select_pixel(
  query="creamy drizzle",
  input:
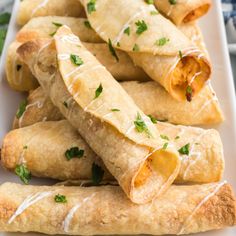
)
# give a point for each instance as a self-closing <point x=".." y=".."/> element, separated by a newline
<point x="69" y="38"/>
<point x="41" y="5"/>
<point x="204" y="200"/>
<point x="29" y="201"/>
<point x="70" y="215"/>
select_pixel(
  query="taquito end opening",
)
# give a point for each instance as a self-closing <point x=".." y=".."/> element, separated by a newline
<point x="154" y="176"/>
<point x="189" y="76"/>
<point x="197" y="13"/>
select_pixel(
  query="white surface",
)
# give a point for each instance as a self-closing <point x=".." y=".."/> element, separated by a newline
<point x="213" y="29"/>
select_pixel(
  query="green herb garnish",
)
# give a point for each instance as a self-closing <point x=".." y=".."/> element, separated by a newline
<point x="164" y="137"/>
<point x="189" y="93"/>
<point x="98" y="91"/>
<point x="140" y="125"/>
<point x="97" y="174"/>
<point x="115" y="110"/>
<point x="153" y="119"/>
<point x="185" y="149"/>
<point x="87" y="24"/>
<point x="165" y="146"/>
<point x="91" y="6"/>
<point x="141" y="27"/>
<point x="76" y="60"/>
<point x="127" y="31"/>
<point x="5" y="18"/>
<point x="136" y="48"/>
<point x="21" y="109"/>
<point x="112" y="50"/>
<point x="172" y="2"/>
<point x="60" y="198"/>
<point x="153" y="13"/>
<point x="65" y="104"/>
<point x="180" y="54"/>
<point x="177" y="137"/>
<point x="149" y="1"/>
<point x="24" y="174"/>
<point x="74" y="152"/>
<point x="58" y="25"/>
<point x="25" y="147"/>
<point x="162" y="41"/>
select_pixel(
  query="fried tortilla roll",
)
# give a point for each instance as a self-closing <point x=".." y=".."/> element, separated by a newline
<point x="201" y="151"/>
<point x="33" y="8"/>
<point x="106" y="210"/>
<point x="154" y="44"/>
<point x="105" y="116"/>
<point x="204" y="109"/>
<point x="57" y="146"/>
<point x="183" y="11"/>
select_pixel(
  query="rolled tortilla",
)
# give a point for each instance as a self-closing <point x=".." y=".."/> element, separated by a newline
<point x="107" y="211"/>
<point x="105" y="116"/>
<point x="183" y="11"/>
<point x="153" y="43"/>
<point x="203" y="164"/>
<point x="33" y="8"/>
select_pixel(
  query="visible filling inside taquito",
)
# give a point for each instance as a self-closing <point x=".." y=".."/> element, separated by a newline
<point x="156" y="172"/>
<point x="196" y="13"/>
<point x="189" y="77"/>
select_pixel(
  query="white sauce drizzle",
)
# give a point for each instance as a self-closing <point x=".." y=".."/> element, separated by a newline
<point x="204" y="200"/>
<point x="70" y="215"/>
<point x="69" y="38"/>
<point x="41" y="5"/>
<point x="29" y="201"/>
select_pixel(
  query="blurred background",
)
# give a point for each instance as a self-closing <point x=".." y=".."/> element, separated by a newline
<point x="228" y="7"/>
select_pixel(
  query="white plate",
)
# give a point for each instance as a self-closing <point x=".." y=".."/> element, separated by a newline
<point x="213" y="30"/>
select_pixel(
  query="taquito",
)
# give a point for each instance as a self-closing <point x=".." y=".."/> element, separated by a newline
<point x="154" y="44"/>
<point x="47" y="143"/>
<point x="203" y="110"/>
<point x="183" y="11"/>
<point x="105" y="116"/>
<point x="106" y="210"/>
<point x="33" y="8"/>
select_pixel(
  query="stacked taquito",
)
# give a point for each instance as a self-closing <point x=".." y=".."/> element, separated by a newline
<point x="106" y="210"/>
<point x="106" y="117"/>
<point x="204" y="109"/>
<point x="48" y="143"/>
<point x="153" y="43"/>
<point x="181" y="11"/>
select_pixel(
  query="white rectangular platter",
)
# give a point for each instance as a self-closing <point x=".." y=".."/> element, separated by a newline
<point x="214" y="34"/>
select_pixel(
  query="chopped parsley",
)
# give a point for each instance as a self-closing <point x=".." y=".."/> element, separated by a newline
<point x="24" y="174"/>
<point x="76" y="60"/>
<point x="60" y="198"/>
<point x="185" y="149"/>
<point x="74" y="152"/>
<point x="21" y="109"/>
<point x="97" y="174"/>
<point x="112" y="50"/>
<point x="58" y="25"/>
<point x="165" y="145"/>
<point x="153" y="119"/>
<point x="118" y="44"/>
<point x="87" y="24"/>
<point x="18" y="67"/>
<point x="65" y="104"/>
<point x="164" y="137"/>
<point x="177" y="137"/>
<point x="25" y="147"/>
<point x="136" y="48"/>
<point x="127" y="31"/>
<point x="153" y="13"/>
<point x="162" y="41"/>
<point x="91" y="7"/>
<point x="98" y="91"/>
<point x="180" y="54"/>
<point x="115" y="110"/>
<point x="189" y="93"/>
<point x="149" y="1"/>
<point x="141" y="27"/>
<point x="141" y="126"/>
<point x="5" y="18"/>
<point x="172" y="2"/>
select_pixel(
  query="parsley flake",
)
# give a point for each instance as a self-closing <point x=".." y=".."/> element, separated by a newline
<point x="58" y="25"/>
<point x="24" y="174"/>
<point x="60" y="198"/>
<point x="164" y="137"/>
<point x="149" y="1"/>
<point x="162" y="41"/>
<point x="153" y="119"/>
<point x="112" y="50"/>
<point x="180" y="54"/>
<point x="65" y="104"/>
<point x="87" y="24"/>
<point x="140" y="125"/>
<point x="177" y="137"/>
<point x="136" y="48"/>
<point x="153" y="13"/>
<point x="115" y="110"/>
<point x="91" y="7"/>
<point x="185" y="149"/>
<point x="172" y="2"/>
<point x="98" y="91"/>
<point x="165" y="146"/>
<point x="21" y="109"/>
<point x="141" y="27"/>
<point x="76" y="60"/>
<point x="189" y="93"/>
<point x="97" y="174"/>
<point x="127" y="31"/>
<point x="74" y="152"/>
